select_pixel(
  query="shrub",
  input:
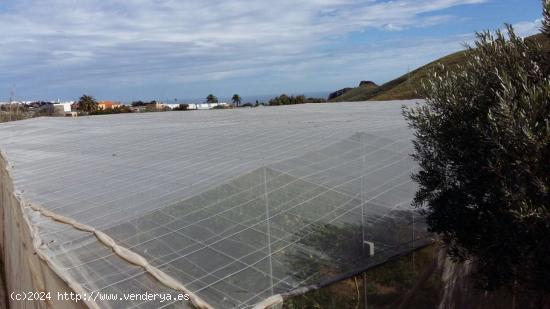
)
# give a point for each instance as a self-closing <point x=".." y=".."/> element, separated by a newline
<point x="182" y="107"/>
<point x="287" y="100"/>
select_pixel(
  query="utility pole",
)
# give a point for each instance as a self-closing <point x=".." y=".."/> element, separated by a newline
<point x="12" y="94"/>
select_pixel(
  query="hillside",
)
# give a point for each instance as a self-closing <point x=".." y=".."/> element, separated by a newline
<point x="344" y="94"/>
<point x="405" y="86"/>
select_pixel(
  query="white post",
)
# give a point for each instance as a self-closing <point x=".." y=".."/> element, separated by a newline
<point x="268" y="231"/>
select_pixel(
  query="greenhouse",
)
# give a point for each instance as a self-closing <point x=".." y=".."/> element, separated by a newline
<point x="233" y="208"/>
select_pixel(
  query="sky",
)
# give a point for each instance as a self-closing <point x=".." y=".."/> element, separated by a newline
<point x="164" y="49"/>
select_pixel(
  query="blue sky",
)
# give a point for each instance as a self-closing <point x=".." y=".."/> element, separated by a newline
<point x="161" y="49"/>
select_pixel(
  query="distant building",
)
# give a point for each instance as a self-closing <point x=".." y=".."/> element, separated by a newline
<point x="207" y="105"/>
<point x="65" y="105"/>
<point x="108" y="104"/>
<point x="137" y="109"/>
<point x="64" y="108"/>
<point x="170" y="105"/>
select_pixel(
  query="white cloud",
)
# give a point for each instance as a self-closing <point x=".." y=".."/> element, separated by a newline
<point x="527" y="28"/>
<point x="67" y="42"/>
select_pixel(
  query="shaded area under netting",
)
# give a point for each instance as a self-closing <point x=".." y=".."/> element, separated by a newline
<point x="412" y="280"/>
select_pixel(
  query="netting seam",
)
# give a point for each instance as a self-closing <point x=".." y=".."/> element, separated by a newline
<point x="127" y="255"/>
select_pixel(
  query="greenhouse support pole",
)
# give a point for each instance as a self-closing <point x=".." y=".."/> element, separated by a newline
<point x="268" y="231"/>
<point x="363" y="215"/>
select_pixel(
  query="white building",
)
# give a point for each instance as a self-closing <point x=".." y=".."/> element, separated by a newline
<point x="66" y="106"/>
<point x="171" y="105"/>
<point x="207" y="105"/>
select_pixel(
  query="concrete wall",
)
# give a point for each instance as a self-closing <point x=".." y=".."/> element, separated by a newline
<point x="26" y="269"/>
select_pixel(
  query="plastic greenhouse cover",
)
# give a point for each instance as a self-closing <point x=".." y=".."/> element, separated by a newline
<point x="236" y="205"/>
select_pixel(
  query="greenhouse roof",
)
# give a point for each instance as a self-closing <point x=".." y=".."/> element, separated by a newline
<point x="230" y="206"/>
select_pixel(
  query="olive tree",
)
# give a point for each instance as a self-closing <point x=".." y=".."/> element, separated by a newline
<point x="482" y="140"/>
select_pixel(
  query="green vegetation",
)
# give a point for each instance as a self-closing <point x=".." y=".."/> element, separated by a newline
<point x="211" y="99"/>
<point x="483" y="145"/>
<point x="287" y="100"/>
<point x="116" y="110"/>
<point x="221" y="107"/>
<point x="87" y="104"/>
<point x="290" y="100"/>
<point x="236" y="99"/>
<point x="355" y="94"/>
<point x="407" y="86"/>
<point x="342" y="251"/>
<point x="182" y="107"/>
<point x="315" y="100"/>
<point x="387" y="285"/>
<point x="546" y="18"/>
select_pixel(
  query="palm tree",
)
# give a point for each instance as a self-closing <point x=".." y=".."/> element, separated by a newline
<point x="87" y="103"/>
<point x="211" y="99"/>
<point x="236" y="100"/>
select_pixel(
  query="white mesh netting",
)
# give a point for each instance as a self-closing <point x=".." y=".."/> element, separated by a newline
<point x="230" y="206"/>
